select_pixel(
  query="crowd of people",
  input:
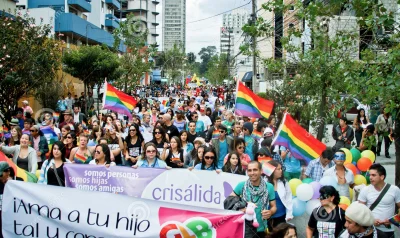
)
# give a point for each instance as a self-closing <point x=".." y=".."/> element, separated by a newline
<point x="174" y="127"/>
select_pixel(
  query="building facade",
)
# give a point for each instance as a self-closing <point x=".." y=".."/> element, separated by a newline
<point x="174" y="24"/>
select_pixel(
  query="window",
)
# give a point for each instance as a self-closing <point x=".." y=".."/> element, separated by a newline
<point x="102" y="6"/>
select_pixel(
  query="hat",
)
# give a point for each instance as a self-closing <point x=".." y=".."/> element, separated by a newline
<point x="3" y="166"/>
<point x="14" y="122"/>
<point x="248" y="126"/>
<point x="25" y="102"/>
<point x="268" y="132"/>
<point x="199" y="139"/>
<point x="263" y="151"/>
<point x="67" y="112"/>
<point x="360" y="214"/>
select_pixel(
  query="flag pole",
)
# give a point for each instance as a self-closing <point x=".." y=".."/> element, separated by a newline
<point x="279" y="129"/>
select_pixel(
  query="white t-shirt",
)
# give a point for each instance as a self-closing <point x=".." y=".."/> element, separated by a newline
<point x="76" y="118"/>
<point x="206" y="120"/>
<point x="343" y="189"/>
<point x="385" y="208"/>
<point x="93" y="162"/>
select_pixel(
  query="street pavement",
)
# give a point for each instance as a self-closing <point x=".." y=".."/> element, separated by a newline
<point x="302" y="221"/>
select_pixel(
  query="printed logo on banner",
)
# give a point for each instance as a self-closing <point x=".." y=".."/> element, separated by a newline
<point x="191" y="224"/>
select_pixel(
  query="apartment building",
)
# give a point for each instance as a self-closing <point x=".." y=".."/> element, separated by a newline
<point x="174" y="24"/>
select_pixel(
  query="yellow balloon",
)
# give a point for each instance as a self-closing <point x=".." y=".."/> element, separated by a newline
<point x="344" y="200"/>
<point x="368" y="154"/>
<point x="349" y="155"/>
<point x="293" y="183"/>
<point x="351" y="193"/>
<point x="359" y="179"/>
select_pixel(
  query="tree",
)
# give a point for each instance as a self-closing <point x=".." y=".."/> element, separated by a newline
<point x="135" y="62"/>
<point x="217" y="69"/>
<point x="205" y="55"/>
<point x="29" y="57"/>
<point x="48" y="94"/>
<point x="91" y="64"/>
<point x="174" y="62"/>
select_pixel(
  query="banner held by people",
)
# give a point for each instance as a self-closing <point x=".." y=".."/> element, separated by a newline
<point x="199" y="188"/>
<point x="34" y="210"/>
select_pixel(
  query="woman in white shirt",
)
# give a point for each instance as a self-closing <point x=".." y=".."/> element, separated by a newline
<point x="102" y="156"/>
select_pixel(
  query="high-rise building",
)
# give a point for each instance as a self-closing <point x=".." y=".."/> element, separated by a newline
<point x="236" y="19"/>
<point x="146" y="14"/>
<point x="174" y="24"/>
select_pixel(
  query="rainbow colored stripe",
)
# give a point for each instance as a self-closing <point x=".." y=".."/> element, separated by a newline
<point x="257" y="135"/>
<point x="79" y="159"/>
<point x="301" y="143"/>
<point x="51" y="137"/>
<point x="20" y="173"/>
<point x="268" y="169"/>
<point x="251" y="105"/>
<point x="118" y="101"/>
<point x="395" y="220"/>
<point x="56" y="116"/>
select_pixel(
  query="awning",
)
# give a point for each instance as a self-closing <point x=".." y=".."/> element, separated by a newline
<point x="248" y="77"/>
<point x="156" y="75"/>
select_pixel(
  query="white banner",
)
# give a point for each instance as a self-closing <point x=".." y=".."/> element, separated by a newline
<point x="33" y="210"/>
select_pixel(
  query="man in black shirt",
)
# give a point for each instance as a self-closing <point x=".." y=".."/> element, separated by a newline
<point x="170" y="129"/>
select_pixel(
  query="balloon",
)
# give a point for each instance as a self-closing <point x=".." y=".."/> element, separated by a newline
<point x="349" y="156"/>
<point x="351" y="167"/>
<point x="307" y="180"/>
<point x="363" y="164"/>
<point x="299" y="207"/>
<point x="311" y="205"/>
<point x="328" y="180"/>
<point x="356" y="154"/>
<point x="343" y="206"/>
<point x="351" y="193"/>
<point x="37" y="174"/>
<point x="293" y="183"/>
<point x="359" y="179"/>
<point x="304" y="192"/>
<point x="367" y="177"/>
<point x="316" y="186"/>
<point x="368" y="154"/>
<point x="344" y="200"/>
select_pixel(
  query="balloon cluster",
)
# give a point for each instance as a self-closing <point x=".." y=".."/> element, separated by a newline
<point x="306" y="193"/>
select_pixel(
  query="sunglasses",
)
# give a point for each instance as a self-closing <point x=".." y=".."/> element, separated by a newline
<point x="240" y="147"/>
<point x="209" y="157"/>
<point x="324" y="196"/>
<point x="33" y="130"/>
<point x="98" y="152"/>
<point x="262" y="155"/>
<point x="157" y="132"/>
<point x="69" y="137"/>
<point x="221" y="131"/>
<point x="132" y="130"/>
<point x="150" y="151"/>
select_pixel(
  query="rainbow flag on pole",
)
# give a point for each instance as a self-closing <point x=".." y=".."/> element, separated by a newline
<point x="118" y="101"/>
<point x="300" y="143"/>
<point x="251" y="105"/>
<point x="20" y="173"/>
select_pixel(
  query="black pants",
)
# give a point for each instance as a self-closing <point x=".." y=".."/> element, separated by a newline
<point x="251" y="232"/>
<point x="387" y="144"/>
<point x="273" y="222"/>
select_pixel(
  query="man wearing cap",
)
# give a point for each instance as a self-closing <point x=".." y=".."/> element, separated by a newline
<point x="14" y="122"/>
<point x="68" y="119"/>
<point x="343" y="134"/>
<point x="251" y="144"/>
<point x="316" y="168"/>
<point x="343" y="176"/>
<point x="360" y="223"/>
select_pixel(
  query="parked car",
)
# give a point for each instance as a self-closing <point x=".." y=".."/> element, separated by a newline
<point x="348" y="106"/>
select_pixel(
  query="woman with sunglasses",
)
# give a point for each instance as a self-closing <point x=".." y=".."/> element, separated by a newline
<point x="328" y="219"/>
<point x="115" y="143"/>
<point x="64" y="131"/>
<point x="173" y="154"/>
<point x="283" y="197"/>
<point x="70" y="143"/>
<point x="209" y="161"/>
<point x="239" y="147"/>
<point x="102" y="156"/>
<point x="150" y="158"/>
<point x="233" y="165"/>
<point x="52" y="171"/>
<point x="133" y="145"/>
<point x="159" y="138"/>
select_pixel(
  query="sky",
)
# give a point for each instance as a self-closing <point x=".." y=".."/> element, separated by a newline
<point x="204" y="33"/>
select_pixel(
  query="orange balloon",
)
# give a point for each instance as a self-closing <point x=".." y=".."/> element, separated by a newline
<point x="343" y="206"/>
<point x="352" y="167"/>
<point x="363" y="164"/>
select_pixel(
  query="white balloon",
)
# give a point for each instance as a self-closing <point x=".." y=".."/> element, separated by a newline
<point x="328" y="180"/>
<point x="311" y="205"/>
<point x="304" y="192"/>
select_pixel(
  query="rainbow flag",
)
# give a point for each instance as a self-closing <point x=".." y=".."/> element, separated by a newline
<point x="165" y="103"/>
<point x="395" y="220"/>
<point x="257" y="135"/>
<point x="51" y="137"/>
<point x="56" y="116"/>
<point x="20" y="173"/>
<point x="251" y="105"/>
<point x="118" y="101"/>
<point x="268" y="169"/>
<point x="5" y="129"/>
<point x="300" y="143"/>
<point x="79" y="159"/>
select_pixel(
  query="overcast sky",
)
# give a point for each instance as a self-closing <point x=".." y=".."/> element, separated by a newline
<point x="204" y="33"/>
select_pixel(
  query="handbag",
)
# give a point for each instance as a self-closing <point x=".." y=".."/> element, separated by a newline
<point x="379" y="198"/>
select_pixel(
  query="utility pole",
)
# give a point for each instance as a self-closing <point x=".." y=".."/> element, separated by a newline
<point x="254" y="46"/>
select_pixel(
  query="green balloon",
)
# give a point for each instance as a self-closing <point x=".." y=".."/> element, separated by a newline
<point x="307" y="180"/>
<point x="356" y="154"/>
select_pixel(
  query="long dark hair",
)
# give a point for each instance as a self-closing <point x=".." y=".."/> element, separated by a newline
<point x="148" y="144"/>
<point x="163" y="139"/>
<point x="281" y="230"/>
<point x="331" y="191"/>
<point x="227" y="167"/>
<point x="271" y="178"/>
<point x="73" y="135"/>
<point x="359" y="115"/>
<point x="195" y="155"/>
<point x="61" y="147"/>
<point x="237" y="142"/>
<point x="178" y="141"/>
<point x="203" y="161"/>
<point x="106" y="151"/>
<point x="138" y="133"/>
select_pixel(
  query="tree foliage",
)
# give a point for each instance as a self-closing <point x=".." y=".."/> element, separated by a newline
<point x="174" y="62"/>
<point x="206" y="53"/>
<point x="29" y="57"/>
<point x="217" y="70"/>
<point x="135" y="63"/>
